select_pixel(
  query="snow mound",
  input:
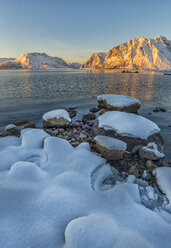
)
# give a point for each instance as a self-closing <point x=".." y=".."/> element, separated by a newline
<point x="127" y="124"/>
<point x="53" y="195"/>
<point x="58" y="113"/>
<point x="163" y="176"/>
<point x="118" y="100"/>
<point x="111" y="143"/>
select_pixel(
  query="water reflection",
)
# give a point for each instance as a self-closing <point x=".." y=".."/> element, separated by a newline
<point x="26" y="87"/>
<point x="56" y="85"/>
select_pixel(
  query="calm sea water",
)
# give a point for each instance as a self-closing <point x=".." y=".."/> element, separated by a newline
<point x="28" y="94"/>
<point x="43" y="85"/>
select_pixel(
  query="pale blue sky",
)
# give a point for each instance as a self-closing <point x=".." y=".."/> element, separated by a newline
<point x="74" y="29"/>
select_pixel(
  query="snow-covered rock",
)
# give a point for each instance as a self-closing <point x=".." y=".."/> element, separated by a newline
<point x="9" y="126"/>
<point x="138" y="53"/>
<point x="118" y="102"/>
<point x="53" y="195"/>
<point x="127" y="124"/>
<point x="111" y="148"/>
<point x="163" y="176"/>
<point x="56" y="118"/>
<point x="11" y="130"/>
<point x="131" y="128"/>
<point x="150" y="152"/>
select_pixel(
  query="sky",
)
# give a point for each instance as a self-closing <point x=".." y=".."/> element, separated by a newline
<point x="74" y="29"/>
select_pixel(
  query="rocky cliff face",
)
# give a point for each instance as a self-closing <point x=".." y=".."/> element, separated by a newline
<point x="139" y="53"/>
<point x="95" y="61"/>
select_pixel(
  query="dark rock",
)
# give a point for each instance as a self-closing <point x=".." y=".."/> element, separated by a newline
<point x="94" y="110"/>
<point x="159" y="109"/>
<point x="30" y="124"/>
<point x="54" y="122"/>
<point x="72" y="112"/>
<point x="20" y="123"/>
<point x="11" y="132"/>
<point x="88" y="117"/>
<point x="102" y="111"/>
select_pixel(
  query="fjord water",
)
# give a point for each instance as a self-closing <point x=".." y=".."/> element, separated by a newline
<point x="28" y="94"/>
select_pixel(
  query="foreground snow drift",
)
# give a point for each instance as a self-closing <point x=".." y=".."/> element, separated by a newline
<point x="52" y="195"/>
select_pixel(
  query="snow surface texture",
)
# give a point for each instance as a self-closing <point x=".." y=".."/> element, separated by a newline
<point x="163" y="175"/>
<point x="152" y="147"/>
<point x="118" y="100"/>
<point x="111" y="143"/>
<point x="126" y="124"/>
<point x="138" y="53"/>
<point x="52" y="195"/>
<point x="58" y="113"/>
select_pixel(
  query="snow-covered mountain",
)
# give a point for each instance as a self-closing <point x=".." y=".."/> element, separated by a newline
<point x="74" y="65"/>
<point x="138" y="53"/>
<point x="35" y="61"/>
<point x="95" y="61"/>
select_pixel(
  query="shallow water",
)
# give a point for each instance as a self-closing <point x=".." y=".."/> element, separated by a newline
<point x="28" y="94"/>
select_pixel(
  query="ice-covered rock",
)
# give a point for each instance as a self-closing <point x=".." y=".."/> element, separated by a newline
<point x="56" y="118"/>
<point x="53" y="195"/>
<point x="150" y="152"/>
<point x="118" y="103"/>
<point x="110" y="148"/>
<point x="131" y="128"/>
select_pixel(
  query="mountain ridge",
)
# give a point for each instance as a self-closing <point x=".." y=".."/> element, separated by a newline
<point x="36" y="61"/>
<point x="138" y="53"/>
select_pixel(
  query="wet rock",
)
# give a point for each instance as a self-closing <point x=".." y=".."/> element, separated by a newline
<point x="149" y="164"/>
<point x="82" y="136"/>
<point x="88" y="117"/>
<point x="102" y="111"/>
<point x="159" y="109"/>
<point x="94" y="110"/>
<point x="53" y="122"/>
<point x="20" y="123"/>
<point x="72" y="112"/>
<point x="11" y="130"/>
<point x="110" y="148"/>
<point x="150" y="152"/>
<point x="78" y="123"/>
<point x="30" y="124"/>
<point x="51" y="132"/>
<point x="61" y="130"/>
<point x="134" y="171"/>
<point x="56" y="118"/>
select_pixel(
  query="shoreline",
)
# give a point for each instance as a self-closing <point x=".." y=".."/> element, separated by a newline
<point x="34" y="111"/>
